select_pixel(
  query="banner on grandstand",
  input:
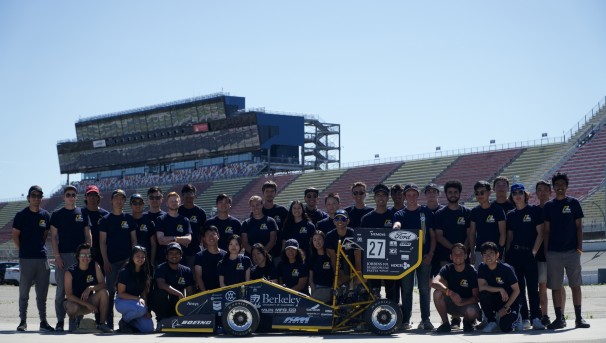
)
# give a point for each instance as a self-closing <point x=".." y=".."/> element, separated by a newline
<point x="99" y="143"/>
<point x="202" y="127"/>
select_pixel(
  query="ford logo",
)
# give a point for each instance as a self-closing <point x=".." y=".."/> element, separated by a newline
<point x="403" y="236"/>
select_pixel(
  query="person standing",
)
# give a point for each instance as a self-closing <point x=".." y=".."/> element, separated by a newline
<point x="30" y="230"/>
<point x="311" y="206"/>
<point x="563" y="248"/>
<point x="145" y="227"/>
<point x="359" y="208"/>
<point x="277" y="212"/>
<point x="487" y="222"/>
<point x="259" y="228"/>
<point x="397" y="196"/>
<point x="92" y="198"/>
<point x="197" y="218"/>
<point x="154" y="198"/>
<point x="225" y="223"/>
<point x="172" y="227"/>
<point x="69" y="229"/>
<point x="501" y="187"/>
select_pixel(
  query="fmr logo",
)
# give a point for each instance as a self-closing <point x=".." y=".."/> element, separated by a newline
<point x="403" y="236"/>
<point x="255" y="300"/>
<point x="230" y="296"/>
<point x="296" y="320"/>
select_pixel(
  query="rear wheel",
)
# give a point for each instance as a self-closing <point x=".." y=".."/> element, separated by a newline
<point x="383" y="317"/>
<point x="240" y="318"/>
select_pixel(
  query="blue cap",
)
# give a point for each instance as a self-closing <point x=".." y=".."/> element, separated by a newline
<point x="342" y="213"/>
<point x="518" y="186"/>
<point x="291" y="243"/>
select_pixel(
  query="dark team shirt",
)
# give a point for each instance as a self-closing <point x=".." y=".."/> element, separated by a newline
<point x="278" y="213"/>
<point x="540" y="256"/>
<point x="415" y="220"/>
<point x="172" y="226"/>
<point x="320" y="266"/>
<point x="461" y="283"/>
<point x="375" y="220"/>
<point x="506" y="206"/>
<point x="562" y="216"/>
<point x="257" y="272"/>
<point x="135" y="284"/>
<point x="487" y="223"/>
<point x="523" y="224"/>
<point x="502" y="276"/>
<point x="70" y="225"/>
<point x="454" y="225"/>
<point x="234" y="271"/>
<point x="302" y="231"/>
<point x="179" y="278"/>
<point x="118" y="229"/>
<point x="332" y="242"/>
<point x="356" y="214"/>
<point x="146" y="229"/>
<point x="326" y="225"/>
<point x="259" y="230"/>
<point x="94" y="218"/>
<point x="227" y="228"/>
<point x="315" y="215"/>
<point x="290" y="273"/>
<point x="210" y="272"/>
<point x="197" y="218"/>
<point x="32" y="227"/>
<point x="82" y="279"/>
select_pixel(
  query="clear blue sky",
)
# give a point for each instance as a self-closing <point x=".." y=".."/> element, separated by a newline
<point x="401" y="77"/>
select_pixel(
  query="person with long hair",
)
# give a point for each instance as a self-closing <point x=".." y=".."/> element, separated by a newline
<point x="321" y="272"/>
<point x="134" y="282"/>
<point x="263" y="266"/>
<point x="234" y="267"/>
<point x="298" y="226"/>
<point x="292" y="272"/>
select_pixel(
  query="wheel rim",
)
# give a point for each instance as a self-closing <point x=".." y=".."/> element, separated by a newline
<point x="239" y="318"/>
<point x="384" y="317"/>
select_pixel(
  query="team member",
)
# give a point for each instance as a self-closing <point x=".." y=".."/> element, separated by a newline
<point x="432" y="193"/>
<point x="274" y="211"/>
<point x="292" y="272"/>
<point x="501" y="186"/>
<point x="563" y="249"/>
<point x="69" y="229"/>
<point x="234" y="267"/>
<point x="321" y="274"/>
<point x="259" y="228"/>
<point x="297" y="226"/>
<point x="85" y="290"/>
<point x="197" y="218"/>
<point x="456" y="291"/>
<point x="452" y="223"/>
<point x="332" y="203"/>
<point x="205" y="266"/>
<point x="117" y="236"/>
<point x="487" y="222"/>
<point x="30" y="230"/>
<point x="92" y="199"/>
<point x="341" y="233"/>
<point x="359" y="208"/>
<point x="145" y="227"/>
<point x="154" y="197"/>
<point x="263" y="266"/>
<point x="499" y="291"/>
<point x="311" y="205"/>
<point x="225" y="223"/>
<point x="174" y="281"/>
<point x="524" y="237"/>
<point x="172" y="226"/>
<point x="134" y="282"/>
<point x="415" y="217"/>
<point x="397" y="196"/>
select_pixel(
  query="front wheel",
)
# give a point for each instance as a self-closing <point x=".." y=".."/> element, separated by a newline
<point x="240" y="318"/>
<point x="383" y="317"/>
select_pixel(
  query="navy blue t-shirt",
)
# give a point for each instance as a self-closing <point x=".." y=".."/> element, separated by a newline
<point x="82" y="279"/>
<point x="413" y="220"/>
<point x="227" y="228"/>
<point x="506" y="206"/>
<point x="266" y="272"/>
<point x="315" y="215"/>
<point x="197" y="218"/>
<point x="302" y="232"/>
<point x="32" y="227"/>
<point x="146" y="229"/>
<point x="326" y="225"/>
<point x="332" y="242"/>
<point x="374" y="220"/>
<point x="210" y="270"/>
<point x="487" y="223"/>
<point x="259" y="230"/>
<point x="118" y="229"/>
<point x="454" y="225"/>
<point x="461" y="283"/>
<point x="179" y="278"/>
<point x="234" y="271"/>
<point x="135" y="284"/>
<point x="94" y="219"/>
<point x="562" y="216"/>
<point x="502" y="276"/>
<point x="322" y="271"/>
<point x="289" y="274"/>
<point x="278" y="213"/>
<point x="356" y="214"/>
<point x="172" y="226"/>
<point x="523" y="224"/>
<point x="70" y="225"/>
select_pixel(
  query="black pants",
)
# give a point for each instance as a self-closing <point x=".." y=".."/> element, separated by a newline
<point x="527" y="273"/>
<point x="491" y="303"/>
<point x="163" y="304"/>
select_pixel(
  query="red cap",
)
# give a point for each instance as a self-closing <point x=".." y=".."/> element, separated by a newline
<point x="91" y="189"/>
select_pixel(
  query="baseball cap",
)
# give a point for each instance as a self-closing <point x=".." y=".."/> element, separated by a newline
<point x="291" y="243"/>
<point x="410" y="186"/>
<point x="119" y="192"/>
<point x="431" y="186"/>
<point x="310" y="190"/>
<point x="70" y="188"/>
<point x="175" y="246"/>
<point x="341" y="213"/>
<point x="381" y="188"/>
<point x="136" y="196"/>
<point x="517" y="187"/>
<point x="91" y="189"/>
<point x="34" y="188"/>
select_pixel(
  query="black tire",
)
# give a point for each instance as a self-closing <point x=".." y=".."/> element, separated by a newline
<point x="240" y="318"/>
<point x="383" y="317"/>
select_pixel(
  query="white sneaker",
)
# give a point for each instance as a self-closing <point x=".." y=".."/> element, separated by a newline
<point x="490" y="327"/>
<point x="537" y="324"/>
<point x="518" y="326"/>
<point x="526" y="324"/>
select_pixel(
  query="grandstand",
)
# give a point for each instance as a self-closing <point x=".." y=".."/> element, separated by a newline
<point x="239" y="164"/>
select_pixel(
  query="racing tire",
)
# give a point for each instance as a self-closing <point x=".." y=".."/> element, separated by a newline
<point x="240" y="318"/>
<point x="383" y="317"/>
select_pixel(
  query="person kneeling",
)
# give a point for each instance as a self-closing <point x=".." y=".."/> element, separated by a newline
<point x="85" y="290"/>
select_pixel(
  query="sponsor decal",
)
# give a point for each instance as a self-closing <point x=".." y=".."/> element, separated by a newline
<point x="404" y="244"/>
<point x="359" y="239"/>
<point x="285" y="310"/>
<point x="404" y="257"/>
<point x="315" y="308"/>
<point x="216" y="306"/>
<point x="255" y="299"/>
<point x="296" y="320"/>
<point x="393" y="243"/>
<point x="377" y="234"/>
<point x="403" y="236"/>
<point x="393" y="251"/>
<point x="192" y="304"/>
<point x="230" y="296"/>
<point x="280" y="299"/>
<point x="176" y="323"/>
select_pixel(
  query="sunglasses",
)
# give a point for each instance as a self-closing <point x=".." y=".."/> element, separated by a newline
<point x="311" y="196"/>
<point x="155" y="197"/>
<point x="35" y="196"/>
<point x="358" y="192"/>
<point x="517" y="192"/>
<point x="340" y="219"/>
<point x="70" y="195"/>
<point x="137" y="203"/>
<point x="480" y="193"/>
<point x="86" y="255"/>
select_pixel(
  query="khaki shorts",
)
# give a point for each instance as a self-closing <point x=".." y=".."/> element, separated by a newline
<point x="459" y="311"/>
<point x="560" y="261"/>
<point x="542" y="268"/>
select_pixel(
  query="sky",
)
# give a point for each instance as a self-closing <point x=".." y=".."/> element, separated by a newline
<point x="401" y="77"/>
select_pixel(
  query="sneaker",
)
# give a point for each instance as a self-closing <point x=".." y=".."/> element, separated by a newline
<point x="537" y="324"/>
<point x="45" y="327"/>
<point x="59" y="327"/>
<point x="443" y="328"/>
<point x="468" y="326"/>
<point x="124" y="327"/>
<point x="406" y="326"/>
<point x="22" y="326"/>
<point x="518" y="325"/>
<point x="455" y="323"/>
<point x="526" y="324"/>
<point x="425" y="325"/>
<point x="490" y="327"/>
<point x="481" y="325"/>
<point x="557" y="324"/>
<point x="104" y="328"/>
<point x="545" y="320"/>
<point x="72" y="325"/>
<point x="581" y="324"/>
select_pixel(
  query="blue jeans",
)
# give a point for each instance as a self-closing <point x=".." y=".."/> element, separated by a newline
<point x="423" y="273"/>
<point x="135" y="314"/>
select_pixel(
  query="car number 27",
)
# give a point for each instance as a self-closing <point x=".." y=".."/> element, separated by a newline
<point x="375" y="248"/>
